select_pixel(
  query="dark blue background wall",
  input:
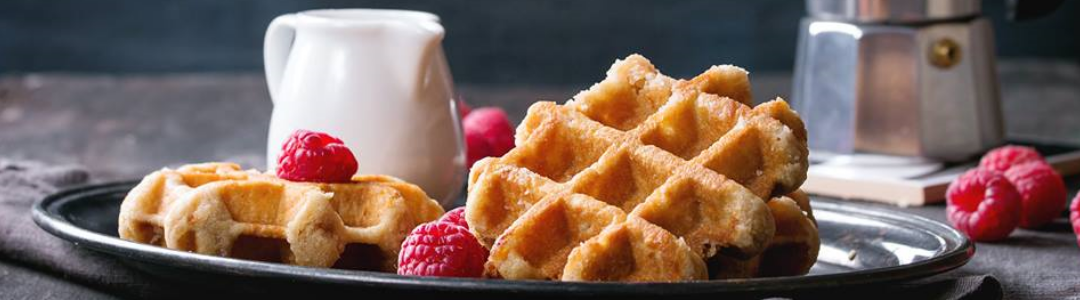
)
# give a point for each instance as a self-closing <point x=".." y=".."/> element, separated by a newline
<point x="489" y="41"/>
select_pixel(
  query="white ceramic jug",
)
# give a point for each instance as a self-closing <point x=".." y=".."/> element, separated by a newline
<point x="378" y="80"/>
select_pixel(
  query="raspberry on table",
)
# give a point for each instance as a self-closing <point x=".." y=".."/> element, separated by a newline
<point x="455" y="216"/>
<point x="1002" y="158"/>
<point x="487" y="133"/>
<point x="316" y="157"/>
<point x="983" y="205"/>
<point x="441" y="249"/>
<point x="1042" y="192"/>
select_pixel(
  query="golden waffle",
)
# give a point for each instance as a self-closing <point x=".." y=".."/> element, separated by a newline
<point x="576" y="237"/>
<point x="217" y="209"/>
<point x="688" y="157"/>
<point x="791" y="251"/>
<point x="634" y="250"/>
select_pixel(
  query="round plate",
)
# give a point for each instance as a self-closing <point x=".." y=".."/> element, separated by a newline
<point x="858" y="247"/>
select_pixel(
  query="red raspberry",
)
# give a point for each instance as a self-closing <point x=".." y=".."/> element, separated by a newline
<point x="983" y="205"/>
<point x="456" y="217"/>
<point x="1074" y="216"/>
<point x="476" y="147"/>
<point x="1042" y="192"/>
<point x="315" y="157"/>
<point x="441" y="249"/>
<point x="1003" y="158"/>
<point x="487" y="133"/>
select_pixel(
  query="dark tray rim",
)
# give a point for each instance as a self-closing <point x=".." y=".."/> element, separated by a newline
<point x="46" y="215"/>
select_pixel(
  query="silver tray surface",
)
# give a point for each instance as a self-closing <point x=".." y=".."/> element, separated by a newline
<point x="860" y="248"/>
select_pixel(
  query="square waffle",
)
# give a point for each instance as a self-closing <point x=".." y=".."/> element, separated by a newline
<point x="217" y="209"/>
<point x="687" y="161"/>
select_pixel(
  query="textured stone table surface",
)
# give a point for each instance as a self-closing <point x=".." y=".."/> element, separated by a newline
<point x="123" y="127"/>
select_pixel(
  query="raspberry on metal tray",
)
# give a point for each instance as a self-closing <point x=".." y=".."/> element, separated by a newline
<point x="441" y="249"/>
<point x="456" y="217"/>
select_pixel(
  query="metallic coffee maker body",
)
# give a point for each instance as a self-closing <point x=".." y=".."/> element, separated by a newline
<point x="898" y="77"/>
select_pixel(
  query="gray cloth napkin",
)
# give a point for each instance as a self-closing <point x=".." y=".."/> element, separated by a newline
<point x="22" y="243"/>
<point x="26" y="246"/>
<point x="970" y="287"/>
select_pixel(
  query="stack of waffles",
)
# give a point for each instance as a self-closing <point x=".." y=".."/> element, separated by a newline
<point x="647" y="178"/>
<point x="218" y="209"/>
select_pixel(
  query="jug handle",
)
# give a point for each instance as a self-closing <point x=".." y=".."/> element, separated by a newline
<point x="276" y="48"/>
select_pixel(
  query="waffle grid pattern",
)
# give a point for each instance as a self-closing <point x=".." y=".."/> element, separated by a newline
<point x="659" y="159"/>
